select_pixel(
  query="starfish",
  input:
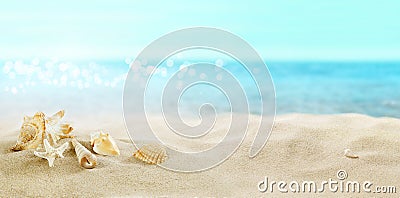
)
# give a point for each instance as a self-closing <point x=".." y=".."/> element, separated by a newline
<point x="51" y="153"/>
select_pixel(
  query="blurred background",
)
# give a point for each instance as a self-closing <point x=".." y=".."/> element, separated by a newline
<point x="324" y="56"/>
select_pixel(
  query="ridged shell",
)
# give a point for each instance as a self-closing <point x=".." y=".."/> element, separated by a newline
<point x="151" y="154"/>
<point x="85" y="158"/>
<point x="104" y="144"/>
<point x="32" y="133"/>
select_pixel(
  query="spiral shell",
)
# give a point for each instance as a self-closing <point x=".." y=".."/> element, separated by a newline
<point x="32" y="133"/>
<point x="151" y="154"/>
<point x="85" y="158"/>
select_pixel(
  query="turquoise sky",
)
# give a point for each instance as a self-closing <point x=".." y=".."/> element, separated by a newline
<point x="278" y="29"/>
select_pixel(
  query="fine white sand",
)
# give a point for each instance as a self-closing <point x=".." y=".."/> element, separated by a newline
<point x="301" y="147"/>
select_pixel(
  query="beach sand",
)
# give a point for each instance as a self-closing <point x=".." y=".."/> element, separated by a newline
<point x="301" y="147"/>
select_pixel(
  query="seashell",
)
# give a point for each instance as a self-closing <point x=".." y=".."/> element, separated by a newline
<point x="57" y="130"/>
<point x="65" y="128"/>
<point x="103" y="144"/>
<point x="151" y="154"/>
<point x="32" y="133"/>
<point x="56" y="118"/>
<point x="85" y="158"/>
<point x="348" y="153"/>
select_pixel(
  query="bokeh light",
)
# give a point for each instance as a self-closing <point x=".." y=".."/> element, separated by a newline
<point x="20" y="76"/>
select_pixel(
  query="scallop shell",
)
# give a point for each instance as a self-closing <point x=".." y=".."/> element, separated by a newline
<point x="348" y="153"/>
<point x="104" y="144"/>
<point x="151" y="154"/>
<point x="32" y="133"/>
<point x="85" y="158"/>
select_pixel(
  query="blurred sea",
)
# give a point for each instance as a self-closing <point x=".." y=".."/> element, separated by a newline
<point x="371" y="88"/>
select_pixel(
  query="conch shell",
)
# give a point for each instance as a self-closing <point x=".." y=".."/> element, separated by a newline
<point x="85" y="158"/>
<point x="37" y="128"/>
<point x="53" y="120"/>
<point x="103" y="144"/>
<point x="57" y="130"/>
<point x="151" y="154"/>
<point x="32" y="133"/>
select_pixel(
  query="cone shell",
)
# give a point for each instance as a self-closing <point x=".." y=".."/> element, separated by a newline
<point x="104" y="144"/>
<point x="85" y="158"/>
<point x="151" y="154"/>
<point x="32" y="133"/>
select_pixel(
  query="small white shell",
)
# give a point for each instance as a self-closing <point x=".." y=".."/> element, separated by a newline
<point x="103" y="144"/>
<point x="85" y="158"/>
<point x="151" y="154"/>
<point x="348" y="153"/>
